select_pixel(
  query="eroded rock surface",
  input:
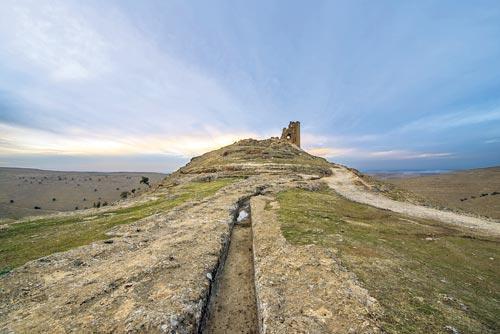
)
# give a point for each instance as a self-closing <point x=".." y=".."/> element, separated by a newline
<point x="152" y="277"/>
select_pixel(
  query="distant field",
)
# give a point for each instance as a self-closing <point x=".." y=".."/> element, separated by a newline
<point x="21" y="190"/>
<point x="476" y="190"/>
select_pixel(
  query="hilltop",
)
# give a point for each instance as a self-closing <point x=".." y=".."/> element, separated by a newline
<point x="258" y="236"/>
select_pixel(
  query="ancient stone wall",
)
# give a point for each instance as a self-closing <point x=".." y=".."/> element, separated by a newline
<point x="292" y="133"/>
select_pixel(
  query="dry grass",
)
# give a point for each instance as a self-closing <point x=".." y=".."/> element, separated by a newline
<point x="470" y="191"/>
<point x="427" y="275"/>
<point x="256" y="151"/>
<point x="27" y="240"/>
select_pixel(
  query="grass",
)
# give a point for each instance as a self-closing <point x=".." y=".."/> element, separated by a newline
<point x="426" y="275"/>
<point x="32" y="239"/>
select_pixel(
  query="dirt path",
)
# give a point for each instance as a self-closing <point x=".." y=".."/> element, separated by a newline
<point x="346" y="183"/>
<point x="233" y="309"/>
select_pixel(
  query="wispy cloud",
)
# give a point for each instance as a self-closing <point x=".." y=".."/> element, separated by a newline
<point x="53" y="39"/>
<point x="492" y="141"/>
<point x="454" y="119"/>
<point x="360" y="153"/>
<point x="26" y="141"/>
<point x="174" y="77"/>
<point x="404" y="154"/>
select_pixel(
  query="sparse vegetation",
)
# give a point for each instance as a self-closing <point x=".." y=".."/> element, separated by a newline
<point x="427" y="275"/>
<point x="31" y="239"/>
<point x="144" y="180"/>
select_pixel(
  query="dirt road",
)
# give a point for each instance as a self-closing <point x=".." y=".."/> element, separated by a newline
<point x="349" y="185"/>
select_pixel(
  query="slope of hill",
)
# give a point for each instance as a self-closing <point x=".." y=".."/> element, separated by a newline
<point x="316" y="248"/>
<point x="476" y="190"/>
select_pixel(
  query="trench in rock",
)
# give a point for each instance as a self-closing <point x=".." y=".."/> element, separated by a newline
<point x="232" y="307"/>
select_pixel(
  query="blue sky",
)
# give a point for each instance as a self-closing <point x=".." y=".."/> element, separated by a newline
<point x="144" y="85"/>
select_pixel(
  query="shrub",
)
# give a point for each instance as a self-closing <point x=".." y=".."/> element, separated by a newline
<point x="95" y="190"/>
<point x="144" y="180"/>
<point x="133" y="191"/>
<point x="12" y="201"/>
<point x="76" y="208"/>
<point x="37" y="208"/>
<point x="124" y="194"/>
<point x="104" y="203"/>
<point x="53" y="199"/>
<point x="495" y="193"/>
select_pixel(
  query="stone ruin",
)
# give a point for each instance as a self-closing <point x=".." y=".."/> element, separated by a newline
<point x="292" y="133"/>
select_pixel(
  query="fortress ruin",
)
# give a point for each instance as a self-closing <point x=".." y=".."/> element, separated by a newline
<point x="292" y="133"/>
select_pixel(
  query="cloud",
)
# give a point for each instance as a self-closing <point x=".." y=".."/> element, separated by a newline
<point x="329" y="152"/>
<point x="26" y="141"/>
<point x="360" y="153"/>
<point x="102" y="76"/>
<point x="454" y="119"/>
<point x="403" y="154"/>
<point x="51" y="38"/>
<point x="492" y="141"/>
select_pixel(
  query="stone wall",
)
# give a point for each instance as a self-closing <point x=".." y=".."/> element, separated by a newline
<point x="292" y="133"/>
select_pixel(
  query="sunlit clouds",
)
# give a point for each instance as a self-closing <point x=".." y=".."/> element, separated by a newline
<point x="375" y="85"/>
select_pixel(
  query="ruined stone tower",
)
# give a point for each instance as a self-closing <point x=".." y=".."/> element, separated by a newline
<point x="292" y="133"/>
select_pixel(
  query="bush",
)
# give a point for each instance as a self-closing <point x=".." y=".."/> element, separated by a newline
<point x="37" y="208"/>
<point x="76" y="208"/>
<point x="104" y="203"/>
<point x="12" y="201"/>
<point x="144" y="180"/>
<point x="124" y="194"/>
<point x="53" y="199"/>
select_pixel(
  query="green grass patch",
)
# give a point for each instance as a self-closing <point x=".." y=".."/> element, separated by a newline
<point x="427" y="275"/>
<point x="32" y="239"/>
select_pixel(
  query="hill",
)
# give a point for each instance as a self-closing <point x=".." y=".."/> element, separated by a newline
<point x="258" y="236"/>
<point x="476" y="190"/>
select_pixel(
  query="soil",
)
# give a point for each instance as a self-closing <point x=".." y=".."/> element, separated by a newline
<point x="349" y="185"/>
<point x="233" y="308"/>
<point x="476" y="190"/>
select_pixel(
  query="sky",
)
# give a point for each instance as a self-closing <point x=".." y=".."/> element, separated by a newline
<point x="145" y="85"/>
